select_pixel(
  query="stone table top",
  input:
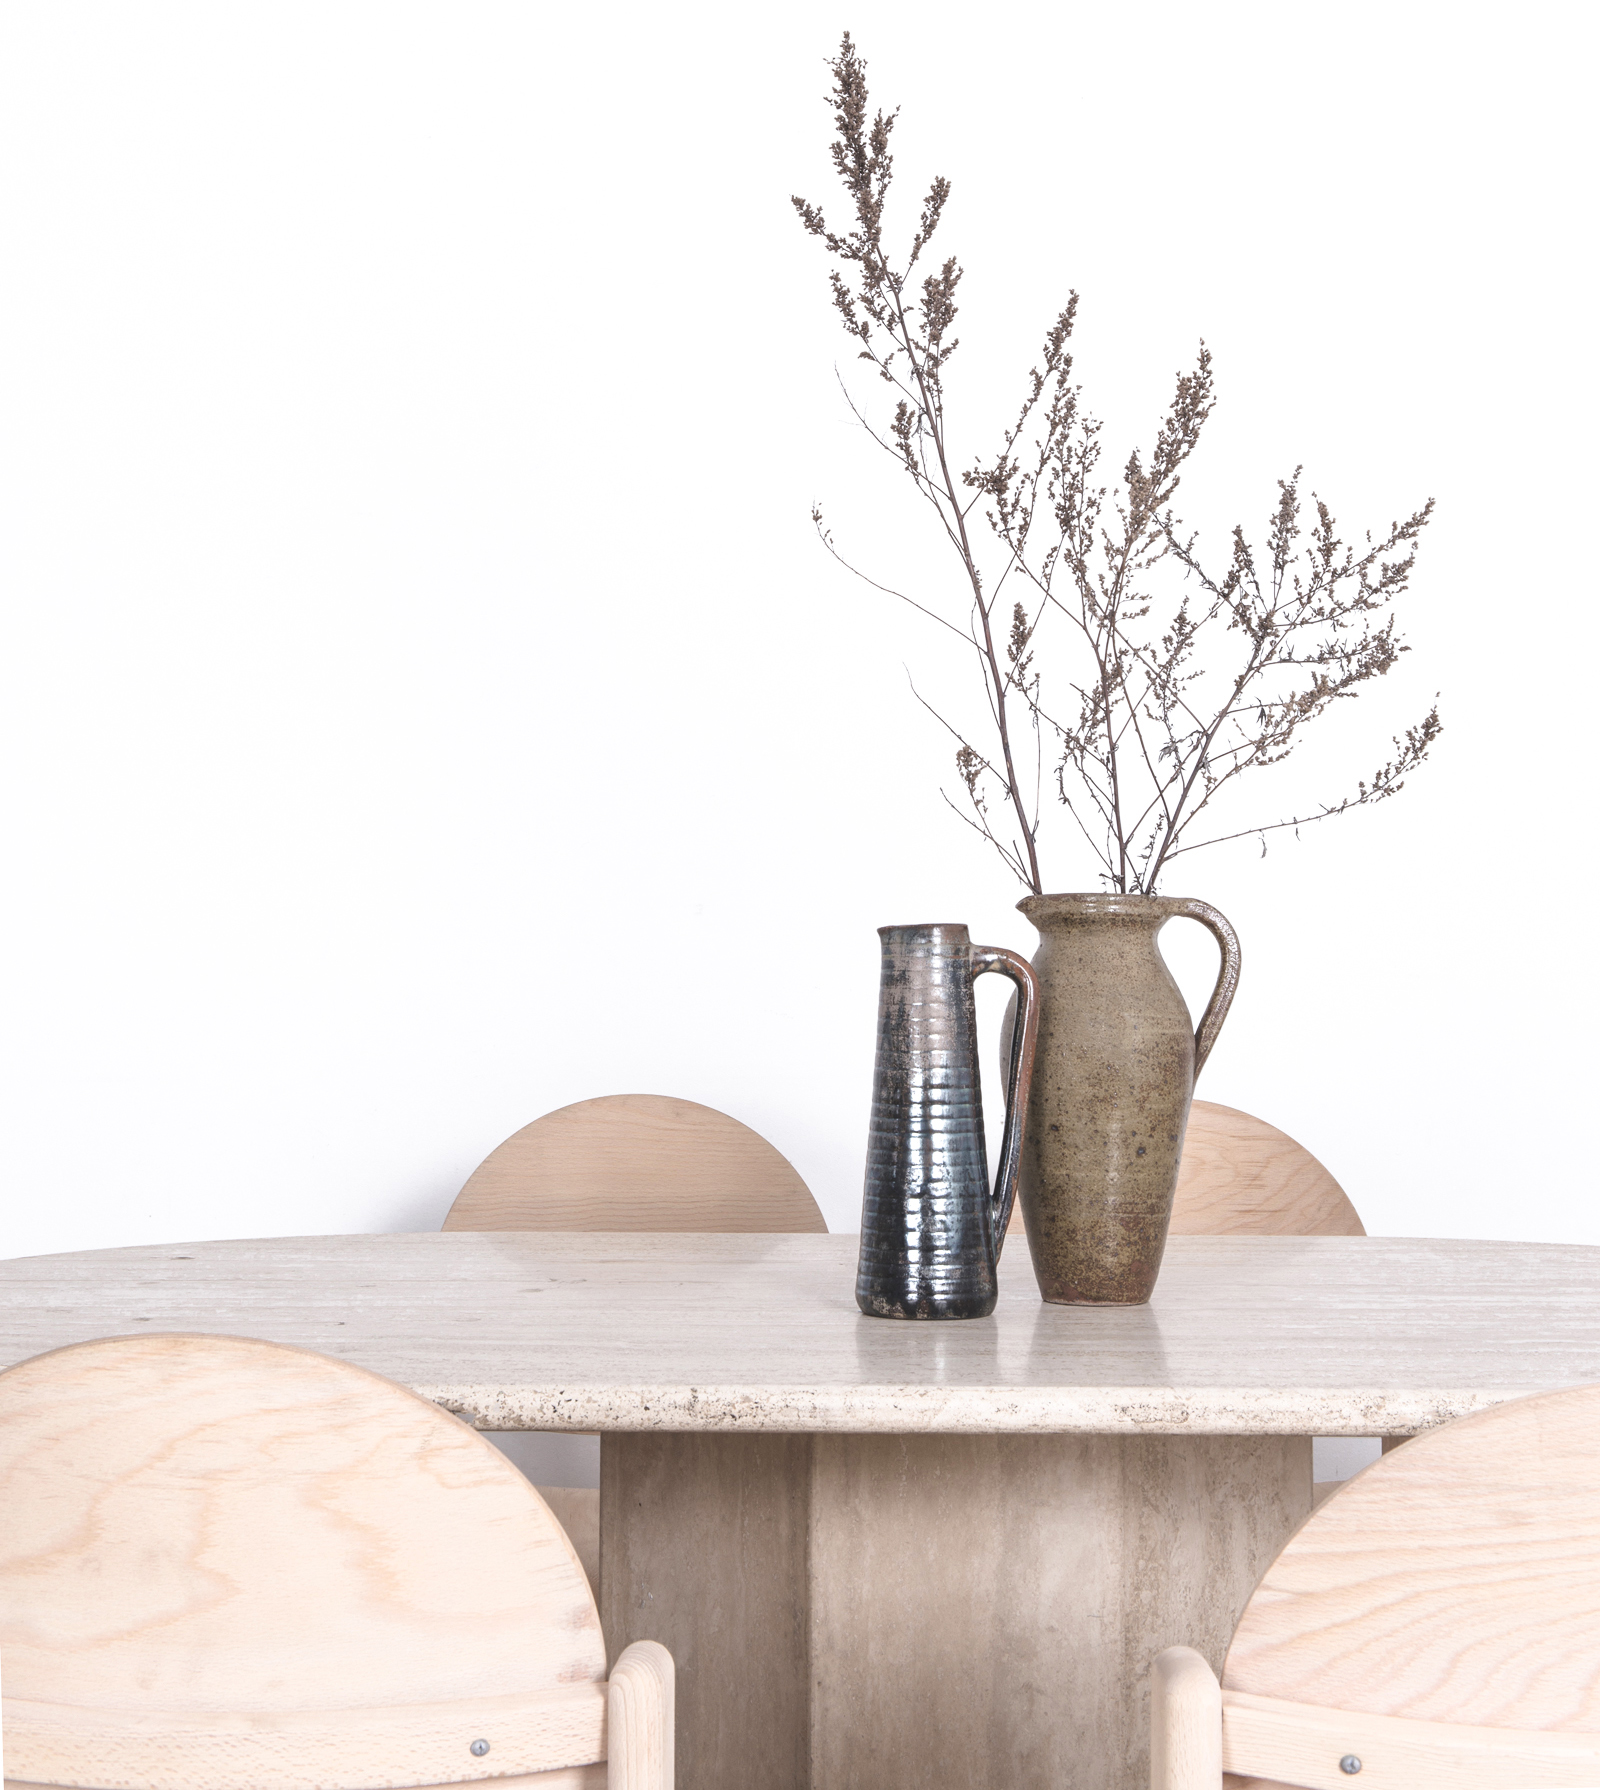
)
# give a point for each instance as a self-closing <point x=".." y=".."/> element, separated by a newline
<point x="643" y="1331"/>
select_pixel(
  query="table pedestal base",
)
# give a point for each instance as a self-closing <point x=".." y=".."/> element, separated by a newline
<point x="860" y="1612"/>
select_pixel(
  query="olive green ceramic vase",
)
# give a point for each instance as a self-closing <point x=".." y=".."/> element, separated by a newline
<point x="1117" y="1059"/>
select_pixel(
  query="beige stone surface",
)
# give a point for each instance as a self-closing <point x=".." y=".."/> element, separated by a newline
<point x="1245" y="1335"/>
<point x="707" y="1538"/>
<point x="894" y="1553"/>
<point x="899" y="1612"/>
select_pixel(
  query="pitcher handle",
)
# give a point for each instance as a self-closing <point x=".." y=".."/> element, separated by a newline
<point x="1019" y="1077"/>
<point x="1227" y="976"/>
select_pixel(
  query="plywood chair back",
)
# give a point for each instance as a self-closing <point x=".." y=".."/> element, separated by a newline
<point x="226" y="1563"/>
<point x="635" y="1162"/>
<point x="1435" y="1622"/>
<point x="1241" y="1177"/>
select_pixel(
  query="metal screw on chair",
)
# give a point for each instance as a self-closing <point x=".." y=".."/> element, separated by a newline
<point x="480" y="1747"/>
<point x="1349" y="1764"/>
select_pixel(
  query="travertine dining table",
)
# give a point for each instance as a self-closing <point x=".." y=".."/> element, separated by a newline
<point x="894" y="1554"/>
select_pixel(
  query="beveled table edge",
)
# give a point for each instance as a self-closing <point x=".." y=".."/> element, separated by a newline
<point x="935" y="1410"/>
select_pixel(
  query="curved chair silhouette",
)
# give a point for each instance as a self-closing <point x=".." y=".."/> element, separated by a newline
<point x="635" y="1162"/>
<point x="1435" y="1622"/>
<point x="233" y="1564"/>
<point x="1241" y="1176"/>
<point x="628" y="1162"/>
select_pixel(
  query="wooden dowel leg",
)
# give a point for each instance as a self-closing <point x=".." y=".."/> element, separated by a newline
<point x="1185" y="1722"/>
<point x="639" y="1707"/>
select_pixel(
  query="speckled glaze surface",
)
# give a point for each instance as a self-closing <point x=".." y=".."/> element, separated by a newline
<point x="1115" y="1071"/>
<point x="931" y="1228"/>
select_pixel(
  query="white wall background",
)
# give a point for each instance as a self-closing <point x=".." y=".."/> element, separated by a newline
<point x="426" y="703"/>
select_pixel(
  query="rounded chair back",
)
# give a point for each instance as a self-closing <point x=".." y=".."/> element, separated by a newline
<point x="1241" y="1177"/>
<point x="230" y="1562"/>
<point x="1456" y="1580"/>
<point x="635" y="1162"/>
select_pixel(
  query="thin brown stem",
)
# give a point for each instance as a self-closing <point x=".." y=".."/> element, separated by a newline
<point x="1284" y="633"/>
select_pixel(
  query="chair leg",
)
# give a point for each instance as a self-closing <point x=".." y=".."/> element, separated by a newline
<point x="639" y="1726"/>
<point x="1185" y="1722"/>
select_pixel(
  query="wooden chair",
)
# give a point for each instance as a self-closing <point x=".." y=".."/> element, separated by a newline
<point x="635" y="1162"/>
<point x="630" y="1162"/>
<point x="1435" y="1623"/>
<point x="1241" y="1176"/>
<point x="233" y="1565"/>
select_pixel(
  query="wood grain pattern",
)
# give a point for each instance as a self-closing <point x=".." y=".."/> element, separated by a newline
<point x="635" y="1162"/>
<point x="640" y="1699"/>
<point x="226" y="1562"/>
<point x="1302" y="1744"/>
<point x="141" y="1747"/>
<point x="571" y="1777"/>
<point x="1240" y="1176"/>
<point x="1185" y="1722"/>
<point x="1460" y="1575"/>
<point x="1435" y="1620"/>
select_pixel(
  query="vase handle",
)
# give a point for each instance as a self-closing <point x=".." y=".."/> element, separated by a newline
<point x="1227" y="977"/>
<point x="1019" y="1078"/>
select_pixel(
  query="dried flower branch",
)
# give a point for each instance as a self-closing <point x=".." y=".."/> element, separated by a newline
<point x="1178" y="693"/>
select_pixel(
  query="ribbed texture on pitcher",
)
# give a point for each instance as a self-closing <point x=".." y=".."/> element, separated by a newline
<point x="927" y="1242"/>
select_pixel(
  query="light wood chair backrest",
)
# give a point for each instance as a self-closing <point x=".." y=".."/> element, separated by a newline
<point x="635" y="1162"/>
<point x="229" y="1563"/>
<point x="1437" y="1620"/>
<point x="1241" y="1177"/>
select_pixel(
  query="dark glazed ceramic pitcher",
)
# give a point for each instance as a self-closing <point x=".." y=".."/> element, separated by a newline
<point x="931" y="1229"/>
<point x="1111" y="1090"/>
